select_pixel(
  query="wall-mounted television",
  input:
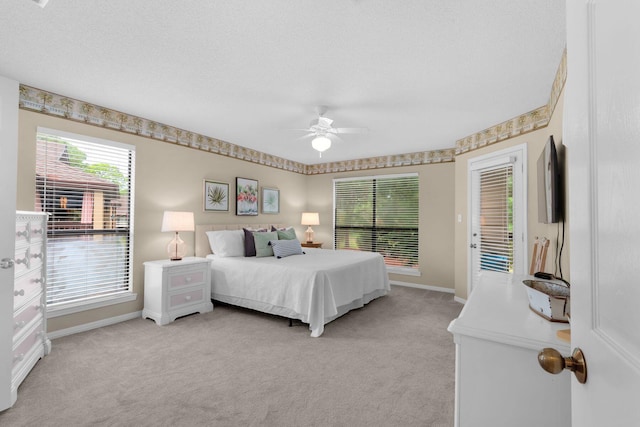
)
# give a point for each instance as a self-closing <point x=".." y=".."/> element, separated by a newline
<point x="549" y="184"/>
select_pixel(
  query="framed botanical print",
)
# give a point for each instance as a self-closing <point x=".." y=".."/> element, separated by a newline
<point x="216" y="196"/>
<point x="246" y="196"/>
<point x="270" y="200"/>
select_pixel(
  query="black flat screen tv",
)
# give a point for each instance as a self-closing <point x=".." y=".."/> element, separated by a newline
<point x="549" y="185"/>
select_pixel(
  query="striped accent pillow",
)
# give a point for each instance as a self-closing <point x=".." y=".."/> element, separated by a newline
<point x="285" y="248"/>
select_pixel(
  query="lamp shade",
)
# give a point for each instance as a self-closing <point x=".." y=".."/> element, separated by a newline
<point x="310" y="218"/>
<point x="177" y="221"/>
<point x="321" y="143"/>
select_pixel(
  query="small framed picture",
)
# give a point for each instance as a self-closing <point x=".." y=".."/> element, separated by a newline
<point x="246" y="196"/>
<point x="216" y="196"/>
<point x="270" y="200"/>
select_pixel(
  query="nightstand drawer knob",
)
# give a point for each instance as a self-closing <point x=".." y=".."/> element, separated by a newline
<point x="187" y="279"/>
<point x="19" y="325"/>
<point x="19" y="293"/>
<point x="188" y="298"/>
<point x="18" y="358"/>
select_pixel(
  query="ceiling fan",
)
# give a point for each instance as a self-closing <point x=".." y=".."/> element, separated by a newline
<point x="322" y="131"/>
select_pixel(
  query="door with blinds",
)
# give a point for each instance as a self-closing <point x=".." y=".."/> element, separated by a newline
<point x="497" y="213"/>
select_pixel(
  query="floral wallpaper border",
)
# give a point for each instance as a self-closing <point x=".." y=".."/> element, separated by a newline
<point x="45" y="102"/>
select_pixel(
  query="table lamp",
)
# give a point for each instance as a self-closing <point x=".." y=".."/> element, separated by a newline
<point x="309" y="219"/>
<point x="177" y="221"/>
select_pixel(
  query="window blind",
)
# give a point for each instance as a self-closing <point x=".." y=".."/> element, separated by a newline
<point x="379" y="214"/>
<point x="85" y="185"/>
<point x="496" y="219"/>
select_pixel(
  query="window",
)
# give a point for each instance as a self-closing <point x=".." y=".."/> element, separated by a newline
<point x="86" y="186"/>
<point x="496" y="219"/>
<point x="379" y="214"/>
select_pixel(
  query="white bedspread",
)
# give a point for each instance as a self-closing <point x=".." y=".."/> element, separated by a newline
<point x="315" y="288"/>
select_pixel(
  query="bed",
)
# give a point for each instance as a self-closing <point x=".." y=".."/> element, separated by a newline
<point x="315" y="288"/>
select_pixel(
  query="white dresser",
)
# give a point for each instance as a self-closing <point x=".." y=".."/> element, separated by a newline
<point x="30" y="342"/>
<point x="499" y="382"/>
<point x="176" y="288"/>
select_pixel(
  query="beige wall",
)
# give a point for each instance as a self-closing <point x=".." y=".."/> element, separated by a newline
<point x="535" y="143"/>
<point x="436" y="225"/>
<point x="168" y="177"/>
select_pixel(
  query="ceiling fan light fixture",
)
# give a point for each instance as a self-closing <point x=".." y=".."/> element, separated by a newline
<point x="321" y="143"/>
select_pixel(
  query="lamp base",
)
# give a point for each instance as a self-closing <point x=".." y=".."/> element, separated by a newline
<point x="309" y="235"/>
<point x="176" y="248"/>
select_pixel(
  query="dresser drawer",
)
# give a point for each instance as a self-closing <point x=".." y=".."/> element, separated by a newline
<point x="24" y="347"/>
<point x="26" y="287"/>
<point x="187" y="276"/>
<point x="23" y="317"/>
<point x="28" y="231"/>
<point x="29" y="258"/>
<point x="194" y="296"/>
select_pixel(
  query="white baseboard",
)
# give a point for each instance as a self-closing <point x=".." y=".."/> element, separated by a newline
<point x="430" y="288"/>
<point x="93" y="325"/>
<point x="460" y="300"/>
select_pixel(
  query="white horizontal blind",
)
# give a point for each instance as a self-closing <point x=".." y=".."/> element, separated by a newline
<point x="379" y="214"/>
<point x="496" y="219"/>
<point x="85" y="185"/>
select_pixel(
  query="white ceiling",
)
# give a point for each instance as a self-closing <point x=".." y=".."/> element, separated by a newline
<point x="420" y="74"/>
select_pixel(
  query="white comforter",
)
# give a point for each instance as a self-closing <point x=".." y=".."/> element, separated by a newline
<point x="316" y="287"/>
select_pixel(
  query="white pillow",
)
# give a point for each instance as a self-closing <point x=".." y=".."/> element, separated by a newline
<point x="226" y="243"/>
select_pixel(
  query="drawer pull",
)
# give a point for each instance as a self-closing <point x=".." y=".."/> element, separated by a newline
<point x="38" y="255"/>
<point x="40" y="280"/>
<point x="18" y="325"/>
<point x="188" y="298"/>
<point x="187" y="279"/>
<point x="38" y="307"/>
<point x="19" y="293"/>
<point x="37" y="231"/>
<point x="18" y="358"/>
<point x="24" y="233"/>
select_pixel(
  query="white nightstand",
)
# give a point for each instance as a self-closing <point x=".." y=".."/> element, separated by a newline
<point x="176" y="288"/>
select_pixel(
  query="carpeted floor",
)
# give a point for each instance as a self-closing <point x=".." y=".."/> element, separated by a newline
<point x="390" y="363"/>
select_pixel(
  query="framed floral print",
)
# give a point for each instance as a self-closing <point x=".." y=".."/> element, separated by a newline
<point x="246" y="196"/>
<point x="216" y="196"/>
<point x="270" y="200"/>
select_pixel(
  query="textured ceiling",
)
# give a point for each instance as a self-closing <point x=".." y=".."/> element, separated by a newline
<point x="419" y="74"/>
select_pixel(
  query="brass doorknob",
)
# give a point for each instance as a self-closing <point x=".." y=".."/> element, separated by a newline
<point x="552" y="361"/>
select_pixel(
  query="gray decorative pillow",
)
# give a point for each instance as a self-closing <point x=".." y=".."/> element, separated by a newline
<point x="249" y="242"/>
<point x="262" y="242"/>
<point x="285" y="248"/>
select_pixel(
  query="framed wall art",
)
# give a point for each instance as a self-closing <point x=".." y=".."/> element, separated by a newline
<point x="216" y="196"/>
<point x="246" y="196"/>
<point x="270" y="200"/>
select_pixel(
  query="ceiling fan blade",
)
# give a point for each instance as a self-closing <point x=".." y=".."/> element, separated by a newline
<point x="304" y="137"/>
<point x="297" y="130"/>
<point x="351" y="130"/>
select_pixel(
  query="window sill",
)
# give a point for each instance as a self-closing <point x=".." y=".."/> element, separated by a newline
<point x="88" y="304"/>
<point x="404" y="271"/>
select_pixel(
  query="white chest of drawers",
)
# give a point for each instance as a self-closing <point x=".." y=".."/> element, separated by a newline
<point x="30" y="342"/>
<point x="176" y="288"/>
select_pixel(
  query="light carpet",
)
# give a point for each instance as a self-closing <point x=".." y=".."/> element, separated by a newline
<point x="390" y="363"/>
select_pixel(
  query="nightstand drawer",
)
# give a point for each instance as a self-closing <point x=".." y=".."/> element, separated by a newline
<point x="29" y="258"/>
<point x="23" y="318"/>
<point x="186" y="298"/>
<point x="187" y="276"/>
<point x="34" y="339"/>
<point x="26" y="287"/>
<point x="28" y="231"/>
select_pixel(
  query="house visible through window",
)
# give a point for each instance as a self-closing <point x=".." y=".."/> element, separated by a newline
<point x="85" y="185"/>
<point x="379" y="214"/>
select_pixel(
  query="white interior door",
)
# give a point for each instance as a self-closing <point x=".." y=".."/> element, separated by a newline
<point x="602" y="135"/>
<point x="497" y="214"/>
<point x="8" y="177"/>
